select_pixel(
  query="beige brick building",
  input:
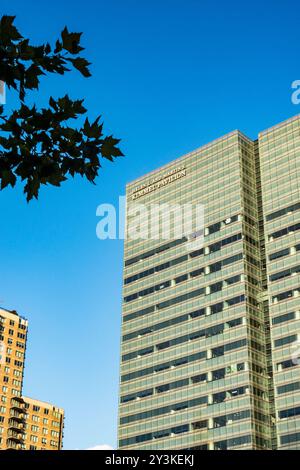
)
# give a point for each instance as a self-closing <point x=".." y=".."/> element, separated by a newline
<point x="25" y="424"/>
<point x="44" y="425"/>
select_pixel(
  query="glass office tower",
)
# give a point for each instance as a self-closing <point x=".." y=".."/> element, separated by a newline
<point x="198" y="329"/>
<point x="194" y="366"/>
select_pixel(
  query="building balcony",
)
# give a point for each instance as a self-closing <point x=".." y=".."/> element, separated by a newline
<point x="18" y="399"/>
<point x="17" y="403"/>
<point x="15" y="436"/>
<point x="16" y="424"/>
<point x="12" y="444"/>
<point x="17" y="415"/>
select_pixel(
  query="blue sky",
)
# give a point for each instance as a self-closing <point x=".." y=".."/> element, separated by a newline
<point x="168" y="76"/>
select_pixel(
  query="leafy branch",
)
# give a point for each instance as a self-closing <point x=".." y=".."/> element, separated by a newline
<point x="40" y="146"/>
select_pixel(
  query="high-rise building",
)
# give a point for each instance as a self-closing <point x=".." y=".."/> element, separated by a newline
<point x="279" y="150"/>
<point x="13" y="334"/>
<point x="44" y="425"/>
<point x="208" y="331"/>
<point x="25" y="424"/>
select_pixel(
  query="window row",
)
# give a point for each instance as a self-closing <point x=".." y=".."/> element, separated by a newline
<point x="209" y="230"/>
<point x="220" y="445"/>
<point x="283" y="318"/>
<point x="290" y="438"/>
<point x="215" y="352"/>
<point x="210" y="249"/>
<point x="285" y="231"/>
<point x="216" y="287"/>
<point x="287" y="388"/>
<point x="285" y="340"/>
<point x="200" y="334"/>
<point x="289" y="413"/>
<point x="217" y="374"/>
<point x="282" y="212"/>
<point x="213" y="268"/>
<point x="284" y="274"/>
<point x="285" y="295"/>
<point x="284" y="252"/>
<point x="210" y="310"/>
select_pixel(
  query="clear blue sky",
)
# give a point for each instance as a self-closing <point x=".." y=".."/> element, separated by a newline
<point x="168" y="76"/>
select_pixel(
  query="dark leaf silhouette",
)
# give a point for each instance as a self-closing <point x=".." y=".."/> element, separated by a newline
<point x="41" y="146"/>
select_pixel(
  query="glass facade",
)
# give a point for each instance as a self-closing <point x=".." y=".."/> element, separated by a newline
<point x="204" y="327"/>
<point x="279" y="150"/>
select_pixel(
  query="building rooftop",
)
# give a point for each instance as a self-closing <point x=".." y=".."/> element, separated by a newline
<point x="178" y="160"/>
<point x="203" y="147"/>
<point x="45" y="404"/>
<point x="11" y="313"/>
<point x="278" y="126"/>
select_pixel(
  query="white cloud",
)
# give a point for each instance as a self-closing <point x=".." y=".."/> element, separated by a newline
<point x="101" y="447"/>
